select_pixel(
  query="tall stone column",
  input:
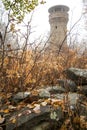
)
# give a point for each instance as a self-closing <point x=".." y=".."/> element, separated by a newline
<point x="58" y="19"/>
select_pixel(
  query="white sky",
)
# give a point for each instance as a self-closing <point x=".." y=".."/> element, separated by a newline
<point x="41" y="15"/>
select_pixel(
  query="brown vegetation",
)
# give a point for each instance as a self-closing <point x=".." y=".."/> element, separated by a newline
<point x="30" y="69"/>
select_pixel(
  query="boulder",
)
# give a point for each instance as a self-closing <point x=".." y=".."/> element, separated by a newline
<point x="71" y="96"/>
<point x="43" y="93"/>
<point x="20" y="96"/>
<point x="26" y="120"/>
<point x="69" y="85"/>
<point x="77" y="103"/>
<point x="77" y="75"/>
<point x="82" y="105"/>
<point x="56" y="89"/>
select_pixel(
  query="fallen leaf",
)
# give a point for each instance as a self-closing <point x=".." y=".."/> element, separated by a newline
<point x="30" y="106"/>
<point x="20" y="106"/>
<point x="2" y="119"/>
<point x="35" y="102"/>
<point x="11" y="107"/>
<point x="6" y="111"/>
<point x="1" y="111"/>
<point x="37" y="105"/>
<point x="48" y="101"/>
<point x="56" y="102"/>
<point x="13" y="121"/>
<point x="26" y="112"/>
<point x="20" y="114"/>
<point x="8" y="102"/>
<point x="43" y="103"/>
<point x="37" y="109"/>
<point x="9" y="95"/>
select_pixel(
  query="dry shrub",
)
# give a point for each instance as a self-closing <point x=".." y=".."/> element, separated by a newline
<point x="31" y="69"/>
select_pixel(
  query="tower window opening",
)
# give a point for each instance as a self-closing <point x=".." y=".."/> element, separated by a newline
<point x="56" y="27"/>
<point x="58" y="9"/>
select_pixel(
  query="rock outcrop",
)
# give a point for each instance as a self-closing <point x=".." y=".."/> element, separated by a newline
<point x="79" y="76"/>
<point x="30" y="119"/>
<point x="69" y="85"/>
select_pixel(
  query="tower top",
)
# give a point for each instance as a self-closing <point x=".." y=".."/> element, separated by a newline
<point x="60" y="8"/>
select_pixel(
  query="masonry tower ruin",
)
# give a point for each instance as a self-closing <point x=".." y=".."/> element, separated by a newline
<point x="58" y="19"/>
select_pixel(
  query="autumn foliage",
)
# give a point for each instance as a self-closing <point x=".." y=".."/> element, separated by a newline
<point x="30" y="69"/>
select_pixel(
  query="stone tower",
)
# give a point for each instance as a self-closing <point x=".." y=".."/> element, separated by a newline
<point x="58" y="19"/>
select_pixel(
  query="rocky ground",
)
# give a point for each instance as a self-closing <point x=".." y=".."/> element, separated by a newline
<point x="58" y="105"/>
